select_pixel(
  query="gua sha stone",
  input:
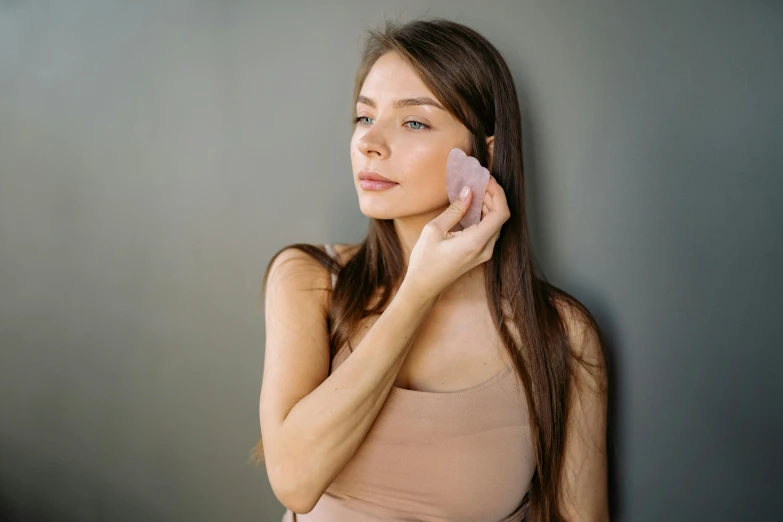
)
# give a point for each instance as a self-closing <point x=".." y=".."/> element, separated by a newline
<point x="462" y="170"/>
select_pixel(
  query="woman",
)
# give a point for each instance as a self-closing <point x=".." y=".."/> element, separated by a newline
<point x="435" y="376"/>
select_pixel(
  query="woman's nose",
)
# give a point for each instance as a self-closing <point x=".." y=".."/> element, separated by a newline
<point x="372" y="142"/>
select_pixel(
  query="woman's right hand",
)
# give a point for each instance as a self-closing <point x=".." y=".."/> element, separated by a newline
<point x="440" y="257"/>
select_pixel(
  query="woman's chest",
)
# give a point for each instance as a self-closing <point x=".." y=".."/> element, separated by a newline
<point x="456" y="347"/>
<point x="481" y="476"/>
<point x="454" y="456"/>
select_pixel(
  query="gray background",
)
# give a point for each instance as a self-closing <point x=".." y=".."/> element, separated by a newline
<point x="153" y="156"/>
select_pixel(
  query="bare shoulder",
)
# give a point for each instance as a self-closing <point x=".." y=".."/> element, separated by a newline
<point x="583" y="337"/>
<point x="581" y="330"/>
<point x="294" y="266"/>
<point x="295" y="270"/>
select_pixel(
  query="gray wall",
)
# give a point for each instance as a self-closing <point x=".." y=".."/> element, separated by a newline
<point x="153" y="155"/>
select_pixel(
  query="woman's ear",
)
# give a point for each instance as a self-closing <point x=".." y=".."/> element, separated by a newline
<point x="491" y="150"/>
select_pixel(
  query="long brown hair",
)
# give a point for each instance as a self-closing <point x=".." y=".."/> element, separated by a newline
<point x="471" y="79"/>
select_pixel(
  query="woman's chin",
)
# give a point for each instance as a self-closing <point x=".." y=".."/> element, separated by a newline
<point x="381" y="215"/>
<point x="379" y="212"/>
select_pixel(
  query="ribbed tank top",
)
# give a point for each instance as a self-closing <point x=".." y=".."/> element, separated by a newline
<point x="464" y="456"/>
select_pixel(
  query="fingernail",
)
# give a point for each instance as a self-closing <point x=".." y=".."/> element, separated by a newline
<point x="464" y="194"/>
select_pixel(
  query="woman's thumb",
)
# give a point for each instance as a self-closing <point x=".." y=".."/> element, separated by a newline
<point x="455" y="212"/>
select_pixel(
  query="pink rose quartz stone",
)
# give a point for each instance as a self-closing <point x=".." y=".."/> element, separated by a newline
<point x="462" y="170"/>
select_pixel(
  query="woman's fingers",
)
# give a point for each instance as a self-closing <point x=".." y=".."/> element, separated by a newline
<point x="495" y="211"/>
<point x="487" y="203"/>
<point x="493" y="187"/>
<point x="492" y="191"/>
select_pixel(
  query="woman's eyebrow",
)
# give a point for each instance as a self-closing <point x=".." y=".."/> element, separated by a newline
<point x="407" y="102"/>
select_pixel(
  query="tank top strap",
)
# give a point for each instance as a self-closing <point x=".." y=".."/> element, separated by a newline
<point x="330" y="250"/>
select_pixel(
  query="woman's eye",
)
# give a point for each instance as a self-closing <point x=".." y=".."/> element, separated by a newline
<point x="421" y="126"/>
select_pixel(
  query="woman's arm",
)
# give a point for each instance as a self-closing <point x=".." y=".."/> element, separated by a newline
<point x="313" y="423"/>
<point x="584" y="479"/>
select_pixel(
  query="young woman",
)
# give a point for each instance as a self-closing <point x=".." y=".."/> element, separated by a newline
<point x="430" y="373"/>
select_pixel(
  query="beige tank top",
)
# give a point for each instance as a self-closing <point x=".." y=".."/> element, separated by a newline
<point x="464" y="456"/>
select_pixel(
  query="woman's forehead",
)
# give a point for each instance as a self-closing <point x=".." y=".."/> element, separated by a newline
<point x="393" y="78"/>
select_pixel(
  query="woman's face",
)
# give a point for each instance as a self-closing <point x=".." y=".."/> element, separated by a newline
<point x="406" y="144"/>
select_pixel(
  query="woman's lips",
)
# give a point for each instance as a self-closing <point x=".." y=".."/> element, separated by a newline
<point x="371" y="184"/>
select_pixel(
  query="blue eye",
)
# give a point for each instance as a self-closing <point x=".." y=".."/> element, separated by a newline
<point x="422" y="126"/>
<point x="418" y="128"/>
